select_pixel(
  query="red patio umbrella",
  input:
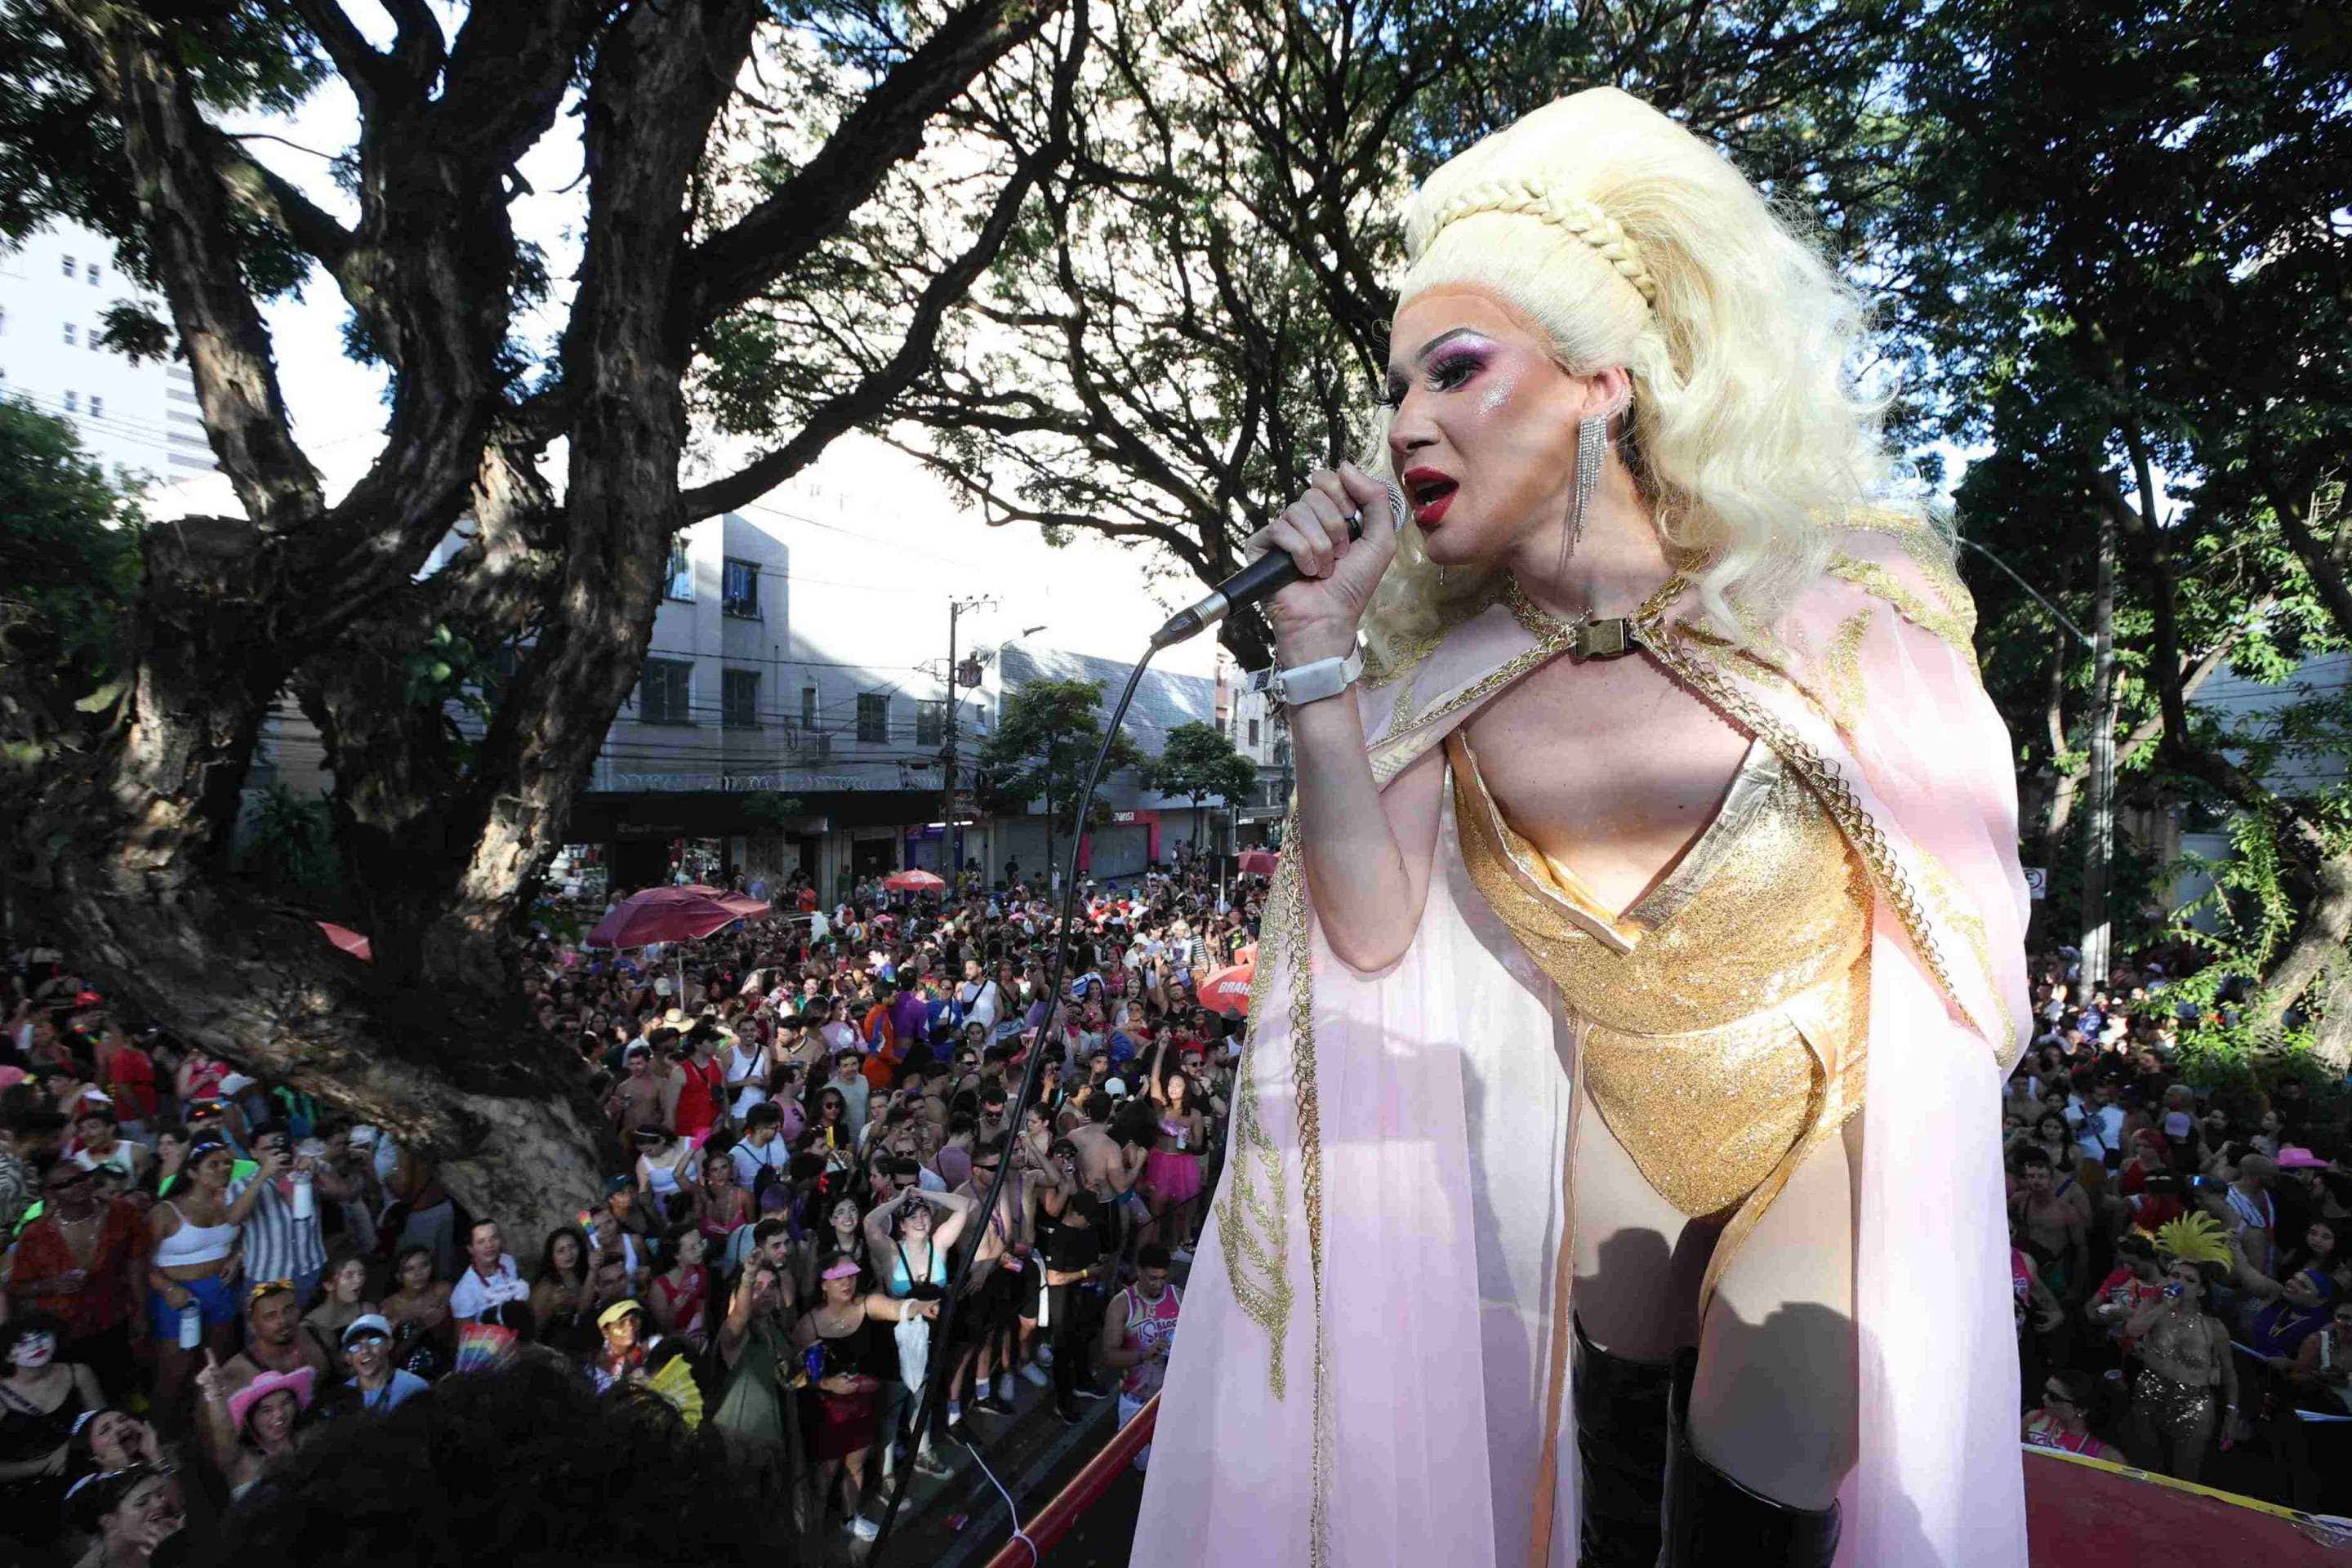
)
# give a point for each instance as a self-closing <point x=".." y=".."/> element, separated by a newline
<point x="1258" y="862"/>
<point x="670" y="914"/>
<point x="745" y="904"/>
<point x="914" y="883"/>
<point x="350" y="941"/>
<point x="1227" y="991"/>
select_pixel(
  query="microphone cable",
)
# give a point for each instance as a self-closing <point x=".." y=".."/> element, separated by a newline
<point x="942" y="1368"/>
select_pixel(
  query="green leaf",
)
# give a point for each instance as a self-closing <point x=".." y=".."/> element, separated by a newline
<point x="105" y="696"/>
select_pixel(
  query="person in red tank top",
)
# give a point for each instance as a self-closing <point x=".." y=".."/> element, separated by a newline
<point x="703" y="1094"/>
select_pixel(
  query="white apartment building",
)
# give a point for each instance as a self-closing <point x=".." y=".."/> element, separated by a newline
<point x="55" y="290"/>
<point x="793" y="710"/>
<point x="1257" y="728"/>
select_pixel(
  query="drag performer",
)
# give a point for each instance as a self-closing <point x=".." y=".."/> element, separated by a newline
<point x="1616" y="1159"/>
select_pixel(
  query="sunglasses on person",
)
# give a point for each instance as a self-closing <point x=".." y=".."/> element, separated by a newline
<point x="2057" y="1396"/>
<point x="268" y="1288"/>
<point x="66" y="1184"/>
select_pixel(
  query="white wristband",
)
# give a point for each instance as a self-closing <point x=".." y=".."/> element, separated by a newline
<point x="1315" y="681"/>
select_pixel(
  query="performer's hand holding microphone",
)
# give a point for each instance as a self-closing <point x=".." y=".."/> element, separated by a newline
<point x="1314" y="567"/>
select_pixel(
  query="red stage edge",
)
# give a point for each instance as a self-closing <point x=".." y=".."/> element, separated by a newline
<point x="2080" y="1513"/>
<point x="1085" y="1490"/>
<point x="2090" y="1513"/>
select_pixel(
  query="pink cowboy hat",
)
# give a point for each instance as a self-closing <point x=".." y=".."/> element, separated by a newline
<point x="241" y="1402"/>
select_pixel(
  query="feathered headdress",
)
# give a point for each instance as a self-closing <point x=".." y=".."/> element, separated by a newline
<point x="674" y="1381"/>
<point x="2194" y="1238"/>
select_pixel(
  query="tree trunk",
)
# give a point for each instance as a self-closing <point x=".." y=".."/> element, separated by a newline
<point x="464" y="1078"/>
<point x="2100" y="787"/>
<point x="2317" y="958"/>
<point x="2066" y="783"/>
<point x="2331" y="1040"/>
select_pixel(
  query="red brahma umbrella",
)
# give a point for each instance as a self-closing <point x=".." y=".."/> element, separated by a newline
<point x="350" y="941"/>
<point x="743" y="904"/>
<point x="671" y="914"/>
<point x="1227" y="991"/>
<point x="914" y="883"/>
<point x="1258" y="862"/>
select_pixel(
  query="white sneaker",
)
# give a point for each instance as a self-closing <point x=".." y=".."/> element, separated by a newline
<point x="1004" y="1387"/>
<point x="1038" y="1374"/>
<point x="863" y="1527"/>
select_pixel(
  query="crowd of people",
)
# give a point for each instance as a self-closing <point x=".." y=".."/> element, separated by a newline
<point x="211" y="1279"/>
<point x="2181" y="1254"/>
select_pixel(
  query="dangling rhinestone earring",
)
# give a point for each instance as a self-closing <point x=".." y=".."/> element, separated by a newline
<point x="1591" y="443"/>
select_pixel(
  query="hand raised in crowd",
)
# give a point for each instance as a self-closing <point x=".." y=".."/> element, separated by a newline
<point x="212" y="1381"/>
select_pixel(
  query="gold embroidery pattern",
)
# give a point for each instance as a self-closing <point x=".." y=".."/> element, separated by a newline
<point x="1927" y="549"/>
<point x="1744" y="663"/>
<point x="1867" y="837"/>
<point x="1407" y="700"/>
<point x="1255" y="1227"/>
<point x="1552" y="639"/>
<point x="1953" y="627"/>
<point x="1404" y="657"/>
<point x="1297" y="956"/>
<point x="1842" y="670"/>
<point x="1956" y="912"/>
<point x="1389" y="760"/>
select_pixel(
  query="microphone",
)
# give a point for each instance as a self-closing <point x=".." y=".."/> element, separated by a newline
<point x="1254" y="584"/>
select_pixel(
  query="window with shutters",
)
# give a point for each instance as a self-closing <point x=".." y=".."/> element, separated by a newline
<point x="665" y="691"/>
<point x="681" y="573"/>
<point x="808" y="707"/>
<point x="930" y="723"/>
<point x="873" y="717"/>
<point x="739" y="699"/>
<point x="739" y="591"/>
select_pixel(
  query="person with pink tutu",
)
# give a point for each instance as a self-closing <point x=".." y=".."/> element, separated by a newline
<point x="1170" y="1182"/>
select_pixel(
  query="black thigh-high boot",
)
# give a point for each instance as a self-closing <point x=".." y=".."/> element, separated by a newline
<point x="1621" y="1442"/>
<point x="1712" y="1521"/>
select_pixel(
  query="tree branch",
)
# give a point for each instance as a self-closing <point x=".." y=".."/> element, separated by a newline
<point x="876" y="392"/>
<point x="183" y="205"/>
<point x="277" y="201"/>
<point x="886" y="128"/>
<point x="372" y="75"/>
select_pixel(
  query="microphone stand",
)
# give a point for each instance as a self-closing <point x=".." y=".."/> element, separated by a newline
<point x="942" y="1368"/>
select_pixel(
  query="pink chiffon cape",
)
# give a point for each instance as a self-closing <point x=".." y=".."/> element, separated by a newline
<point x="1373" y="1362"/>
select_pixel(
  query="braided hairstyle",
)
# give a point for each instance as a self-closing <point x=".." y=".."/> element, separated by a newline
<point x="1622" y="238"/>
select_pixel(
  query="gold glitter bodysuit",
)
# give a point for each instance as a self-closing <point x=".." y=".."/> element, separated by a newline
<point x="1723" y="1018"/>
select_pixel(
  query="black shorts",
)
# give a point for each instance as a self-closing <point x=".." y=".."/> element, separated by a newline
<point x="986" y="1310"/>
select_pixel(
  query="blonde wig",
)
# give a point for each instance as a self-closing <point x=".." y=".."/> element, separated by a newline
<point x="1626" y="240"/>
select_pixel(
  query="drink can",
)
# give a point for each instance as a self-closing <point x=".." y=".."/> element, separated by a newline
<point x="305" y="1203"/>
<point x="192" y="1326"/>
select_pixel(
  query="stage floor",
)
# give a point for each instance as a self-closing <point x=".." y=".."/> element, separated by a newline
<point x="2082" y="1513"/>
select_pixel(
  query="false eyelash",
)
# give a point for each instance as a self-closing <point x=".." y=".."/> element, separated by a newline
<point x="1459" y="366"/>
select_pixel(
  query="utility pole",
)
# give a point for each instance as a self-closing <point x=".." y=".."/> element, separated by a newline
<point x="2099" y="795"/>
<point x="951" y="832"/>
